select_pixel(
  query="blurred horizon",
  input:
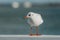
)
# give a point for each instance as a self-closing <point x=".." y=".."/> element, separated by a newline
<point x="32" y="1"/>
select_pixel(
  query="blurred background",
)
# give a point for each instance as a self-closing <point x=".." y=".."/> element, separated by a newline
<point x="12" y="14"/>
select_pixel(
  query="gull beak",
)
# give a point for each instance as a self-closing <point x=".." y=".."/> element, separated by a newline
<point x="25" y="17"/>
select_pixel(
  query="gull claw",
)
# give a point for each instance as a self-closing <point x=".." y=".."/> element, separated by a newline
<point x="35" y="34"/>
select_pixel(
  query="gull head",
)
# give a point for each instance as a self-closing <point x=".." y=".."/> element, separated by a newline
<point x="30" y="15"/>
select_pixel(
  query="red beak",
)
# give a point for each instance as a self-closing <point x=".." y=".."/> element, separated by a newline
<point x="25" y="17"/>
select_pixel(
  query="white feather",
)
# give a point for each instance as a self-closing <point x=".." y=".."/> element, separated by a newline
<point x="35" y="19"/>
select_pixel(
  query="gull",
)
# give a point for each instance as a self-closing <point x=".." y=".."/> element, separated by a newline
<point x="34" y="20"/>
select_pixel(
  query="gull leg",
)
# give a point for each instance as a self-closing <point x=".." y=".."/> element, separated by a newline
<point x="31" y="31"/>
<point x="36" y="30"/>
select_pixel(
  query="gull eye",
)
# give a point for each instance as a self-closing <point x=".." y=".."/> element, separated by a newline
<point x="29" y="15"/>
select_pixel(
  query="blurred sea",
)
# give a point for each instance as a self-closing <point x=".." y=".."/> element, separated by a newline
<point x="12" y="20"/>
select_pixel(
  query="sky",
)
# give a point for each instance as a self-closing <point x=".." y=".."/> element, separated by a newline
<point x="33" y="1"/>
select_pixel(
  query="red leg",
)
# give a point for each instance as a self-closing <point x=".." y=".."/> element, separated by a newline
<point x="31" y="31"/>
<point x="36" y="30"/>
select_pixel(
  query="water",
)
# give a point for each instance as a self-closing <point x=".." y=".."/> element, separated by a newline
<point x="12" y="20"/>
